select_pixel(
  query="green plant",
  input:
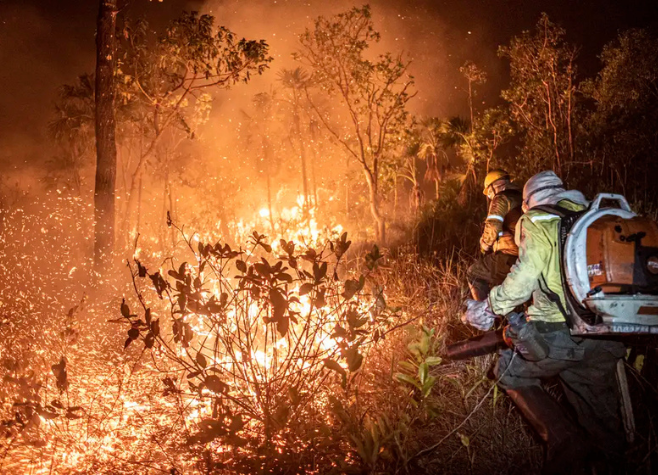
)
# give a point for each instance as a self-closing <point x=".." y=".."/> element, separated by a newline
<point x="416" y="367"/>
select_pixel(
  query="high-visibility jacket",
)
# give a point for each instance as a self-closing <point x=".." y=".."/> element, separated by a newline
<point x="537" y="272"/>
<point x="500" y="223"/>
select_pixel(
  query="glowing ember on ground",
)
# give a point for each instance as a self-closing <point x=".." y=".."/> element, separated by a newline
<point x="116" y="415"/>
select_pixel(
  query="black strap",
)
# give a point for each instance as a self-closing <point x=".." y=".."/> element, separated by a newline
<point x="548" y="327"/>
<point x="554" y="209"/>
<point x="554" y="298"/>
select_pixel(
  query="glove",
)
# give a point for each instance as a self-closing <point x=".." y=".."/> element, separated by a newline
<point x="484" y="247"/>
<point x="478" y="314"/>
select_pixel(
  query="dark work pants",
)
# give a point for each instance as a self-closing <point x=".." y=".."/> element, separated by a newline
<point x="587" y="370"/>
<point x="491" y="268"/>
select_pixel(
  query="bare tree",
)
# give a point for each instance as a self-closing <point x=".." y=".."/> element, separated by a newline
<point x="167" y="77"/>
<point x="373" y="94"/>
<point x="474" y="76"/>
<point x="542" y="93"/>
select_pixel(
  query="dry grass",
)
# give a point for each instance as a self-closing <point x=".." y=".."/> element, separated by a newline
<point x="476" y="429"/>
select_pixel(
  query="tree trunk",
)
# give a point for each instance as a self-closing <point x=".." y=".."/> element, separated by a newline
<point x="380" y="222"/>
<point x="163" y="215"/>
<point x="172" y="211"/>
<point x="302" y="156"/>
<point x="314" y="183"/>
<point x="138" y="220"/>
<point x="470" y="181"/>
<point x="106" y="152"/>
<point x="395" y="199"/>
<point x="347" y="190"/>
<point x="269" y="205"/>
<point x="470" y="101"/>
<point x="347" y="198"/>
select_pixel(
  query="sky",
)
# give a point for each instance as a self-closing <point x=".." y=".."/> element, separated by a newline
<point x="47" y="43"/>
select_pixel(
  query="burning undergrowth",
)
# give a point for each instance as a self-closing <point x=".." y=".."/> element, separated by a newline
<point x="255" y="340"/>
<point x="296" y="355"/>
<point x="230" y="360"/>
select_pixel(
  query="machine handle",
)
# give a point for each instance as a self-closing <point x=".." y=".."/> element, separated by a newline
<point x="620" y="199"/>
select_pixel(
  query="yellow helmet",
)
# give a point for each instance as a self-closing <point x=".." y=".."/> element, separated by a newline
<point x="492" y="177"/>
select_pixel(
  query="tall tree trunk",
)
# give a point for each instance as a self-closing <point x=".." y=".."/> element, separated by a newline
<point x="470" y="101"/>
<point x="267" y="153"/>
<point x="314" y="183"/>
<point x="134" y="230"/>
<point x="557" y="164"/>
<point x="395" y="198"/>
<point x="269" y="205"/>
<point x="164" y="212"/>
<point x="138" y="220"/>
<point x="172" y="211"/>
<point x="470" y="182"/>
<point x="106" y="152"/>
<point x="302" y="156"/>
<point x="347" y="189"/>
<point x="570" y="113"/>
<point x="380" y="222"/>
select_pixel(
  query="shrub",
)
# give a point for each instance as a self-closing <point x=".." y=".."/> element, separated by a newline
<point x="257" y="342"/>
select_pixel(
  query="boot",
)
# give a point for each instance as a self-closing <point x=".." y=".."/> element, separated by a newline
<point x="479" y="289"/>
<point x="566" y="446"/>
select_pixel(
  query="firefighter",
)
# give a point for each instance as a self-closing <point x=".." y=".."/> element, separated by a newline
<point x="585" y="366"/>
<point x="497" y="241"/>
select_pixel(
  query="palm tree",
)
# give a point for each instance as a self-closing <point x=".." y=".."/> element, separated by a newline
<point x="409" y="171"/>
<point x="437" y="136"/>
<point x="457" y="133"/>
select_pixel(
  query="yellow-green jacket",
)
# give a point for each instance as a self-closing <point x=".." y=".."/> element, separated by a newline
<point x="539" y="254"/>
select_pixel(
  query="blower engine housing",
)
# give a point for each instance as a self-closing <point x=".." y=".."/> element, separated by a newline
<point x="610" y="269"/>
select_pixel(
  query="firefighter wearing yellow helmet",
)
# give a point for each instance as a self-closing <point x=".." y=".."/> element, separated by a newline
<point x="497" y="241"/>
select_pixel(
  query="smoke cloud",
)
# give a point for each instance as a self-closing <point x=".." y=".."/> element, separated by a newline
<point x="44" y="44"/>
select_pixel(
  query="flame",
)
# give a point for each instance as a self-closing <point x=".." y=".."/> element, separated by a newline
<point x="126" y="416"/>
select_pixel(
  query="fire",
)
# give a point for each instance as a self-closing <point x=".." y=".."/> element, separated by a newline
<point x="116" y="407"/>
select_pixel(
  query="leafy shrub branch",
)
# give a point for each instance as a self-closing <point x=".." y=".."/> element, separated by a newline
<point x="257" y="338"/>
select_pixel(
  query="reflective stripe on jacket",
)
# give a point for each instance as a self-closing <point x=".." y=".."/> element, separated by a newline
<point x="497" y="233"/>
<point x="537" y="236"/>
